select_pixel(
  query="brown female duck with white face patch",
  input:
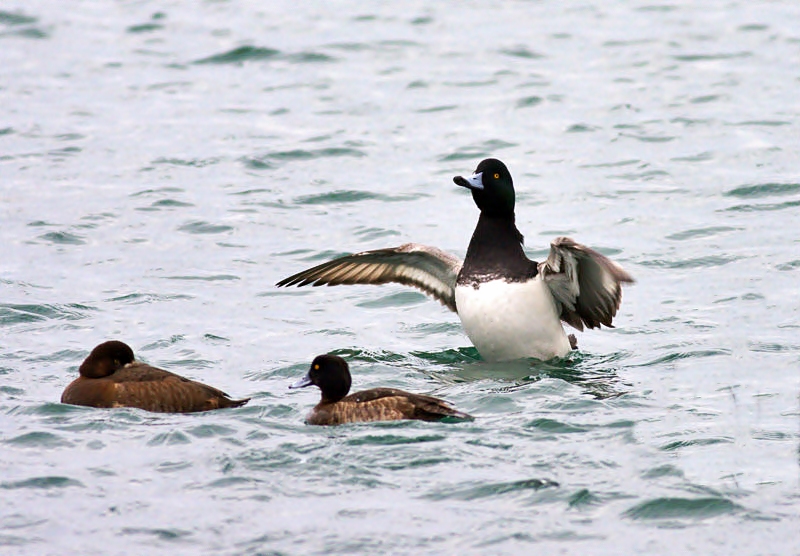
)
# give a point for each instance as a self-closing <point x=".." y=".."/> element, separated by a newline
<point x="111" y="377"/>
<point x="332" y="375"/>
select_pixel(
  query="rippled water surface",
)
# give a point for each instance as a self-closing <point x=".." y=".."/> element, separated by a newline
<point x="163" y="164"/>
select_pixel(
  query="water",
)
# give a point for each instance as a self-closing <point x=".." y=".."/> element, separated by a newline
<point x="162" y="165"/>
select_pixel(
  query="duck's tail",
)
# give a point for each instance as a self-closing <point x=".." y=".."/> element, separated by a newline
<point x="233" y="403"/>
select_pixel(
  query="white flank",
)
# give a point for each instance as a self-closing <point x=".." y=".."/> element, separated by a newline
<point x="512" y="320"/>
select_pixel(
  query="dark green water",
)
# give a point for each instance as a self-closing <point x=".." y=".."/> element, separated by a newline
<point x="162" y="165"/>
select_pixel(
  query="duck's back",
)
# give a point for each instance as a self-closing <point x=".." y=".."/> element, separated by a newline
<point x="145" y="387"/>
<point x="382" y="404"/>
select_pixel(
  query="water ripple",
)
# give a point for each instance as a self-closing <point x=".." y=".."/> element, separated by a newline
<point x="553" y="426"/>
<point x="171" y="535"/>
<point x="156" y="192"/>
<point x="254" y="53"/>
<point x="239" y="55"/>
<point x="370" y="233"/>
<point x="400" y="299"/>
<point x="678" y="444"/>
<point x="677" y="356"/>
<point x="171" y="438"/>
<point x="527" y="102"/>
<point x="584" y="498"/>
<point x="699" y="262"/>
<point x="38" y="440"/>
<point x="345" y="196"/>
<point x="582" y="128"/>
<point x="63" y="238"/>
<point x="393" y="439"/>
<point x="791" y="265"/>
<point x="210" y="430"/>
<point x="697" y="233"/>
<point x="144" y="28"/>
<point x="522" y="52"/>
<point x="763" y="207"/>
<point x="150" y="26"/>
<point x="763" y="190"/>
<point x="265" y="162"/>
<point x="192" y="162"/>
<point x="14" y="314"/>
<point x="663" y="471"/>
<point x="46" y="483"/>
<point x="481" y="150"/>
<point x="707" y="57"/>
<point x="683" y="508"/>
<point x="477" y="492"/>
<point x="765" y="123"/>
<point x="145" y="298"/>
<point x="440" y="108"/>
<point x="203" y="227"/>
<point x="16" y="20"/>
<point x="10" y="18"/>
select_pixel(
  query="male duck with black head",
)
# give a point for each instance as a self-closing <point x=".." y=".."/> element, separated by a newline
<point x="332" y="375"/>
<point x="111" y="377"/>
<point x="510" y="306"/>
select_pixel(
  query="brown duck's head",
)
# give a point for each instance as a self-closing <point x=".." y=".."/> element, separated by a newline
<point x="105" y="359"/>
<point x="331" y="374"/>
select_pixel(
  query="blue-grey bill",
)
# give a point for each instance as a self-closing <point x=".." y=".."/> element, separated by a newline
<point x="475" y="181"/>
<point x="302" y="383"/>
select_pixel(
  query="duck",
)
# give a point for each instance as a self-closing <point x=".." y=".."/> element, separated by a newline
<point x="111" y="377"/>
<point x="510" y="307"/>
<point x="332" y="375"/>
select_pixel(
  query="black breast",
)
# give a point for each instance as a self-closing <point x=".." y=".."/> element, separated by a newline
<point x="495" y="252"/>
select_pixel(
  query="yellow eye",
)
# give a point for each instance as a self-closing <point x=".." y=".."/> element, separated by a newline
<point x="316" y="367"/>
<point x="497" y="176"/>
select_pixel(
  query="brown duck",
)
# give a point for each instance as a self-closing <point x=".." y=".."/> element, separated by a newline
<point x="332" y="375"/>
<point x="111" y="377"/>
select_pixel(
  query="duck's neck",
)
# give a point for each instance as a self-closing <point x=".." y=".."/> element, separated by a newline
<point x="335" y="392"/>
<point x="495" y="251"/>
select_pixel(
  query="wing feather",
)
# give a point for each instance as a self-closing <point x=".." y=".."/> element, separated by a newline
<point x="586" y="284"/>
<point x="140" y="385"/>
<point x="426" y="268"/>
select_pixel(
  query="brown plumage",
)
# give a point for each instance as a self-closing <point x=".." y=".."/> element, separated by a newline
<point x="332" y="375"/>
<point x="111" y="377"/>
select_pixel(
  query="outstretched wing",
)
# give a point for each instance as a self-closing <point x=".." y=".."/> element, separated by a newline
<point x="427" y="268"/>
<point x="586" y="284"/>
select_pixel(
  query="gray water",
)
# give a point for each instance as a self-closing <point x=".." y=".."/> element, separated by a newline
<point x="163" y="164"/>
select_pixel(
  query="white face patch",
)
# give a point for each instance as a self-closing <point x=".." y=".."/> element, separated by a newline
<point x="512" y="320"/>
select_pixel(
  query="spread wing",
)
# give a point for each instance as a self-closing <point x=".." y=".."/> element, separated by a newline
<point x="427" y="268"/>
<point x="586" y="284"/>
